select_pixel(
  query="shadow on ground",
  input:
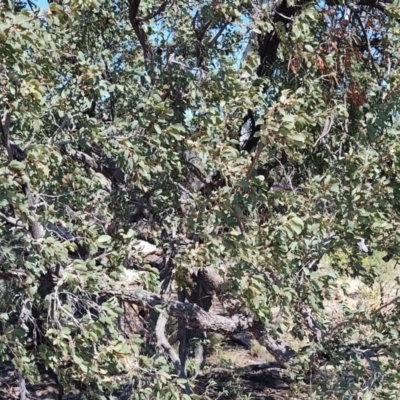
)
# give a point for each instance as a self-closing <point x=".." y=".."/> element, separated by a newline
<point x="259" y="382"/>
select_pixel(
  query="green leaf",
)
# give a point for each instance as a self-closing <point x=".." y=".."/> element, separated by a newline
<point x="104" y="239"/>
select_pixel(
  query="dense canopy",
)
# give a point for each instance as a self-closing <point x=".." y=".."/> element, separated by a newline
<point x="170" y="169"/>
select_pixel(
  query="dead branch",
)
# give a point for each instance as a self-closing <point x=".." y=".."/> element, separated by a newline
<point x="16" y="274"/>
<point x="163" y="343"/>
<point x="11" y="220"/>
<point x="193" y="315"/>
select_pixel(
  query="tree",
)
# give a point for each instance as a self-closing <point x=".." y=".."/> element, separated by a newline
<point x="126" y="193"/>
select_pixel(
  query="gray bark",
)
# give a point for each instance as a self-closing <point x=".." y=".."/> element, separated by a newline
<point x="195" y="317"/>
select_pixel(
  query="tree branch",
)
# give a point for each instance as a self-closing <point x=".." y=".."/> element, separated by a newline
<point x="139" y="31"/>
<point x="5" y="134"/>
<point x="12" y="220"/>
<point x="193" y="315"/>
<point x="367" y="40"/>
<point x="379" y="5"/>
<point x="154" y="13"/>
<point x="311" y="323"/>
<point x="197" y="318"/>
<point x="268" y="44"/>
<point x="214" y="40"/>
<point x="35" y="228"/>
<point x="109" y="170"/>
<point x="162" y="341"/>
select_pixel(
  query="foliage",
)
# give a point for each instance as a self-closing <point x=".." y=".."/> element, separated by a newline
<point x="120" y="124"/>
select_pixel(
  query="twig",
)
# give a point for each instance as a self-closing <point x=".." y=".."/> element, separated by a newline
<point x="182" y="188"/>
<point x="326" y="130"/>
<point x="284" y="16"/>
<point x="173" y="60"/>
<point x="19" y="274"/>
<point x="218" y="34"/>
<point x="12" y="220"/>
<point x="61" y="127"/>
<point x="255" y="159"/>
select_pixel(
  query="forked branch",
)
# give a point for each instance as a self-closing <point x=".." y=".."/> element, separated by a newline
<point x="136" y="22"/>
